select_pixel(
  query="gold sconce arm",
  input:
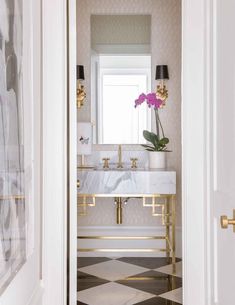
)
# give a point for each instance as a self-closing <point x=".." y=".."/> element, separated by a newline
<point x="81" y="95"/>
<point x="162" y="92"/>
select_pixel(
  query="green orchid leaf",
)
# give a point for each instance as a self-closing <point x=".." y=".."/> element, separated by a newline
<point x="164" y="141"/>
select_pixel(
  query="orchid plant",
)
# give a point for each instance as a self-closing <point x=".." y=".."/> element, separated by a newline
<point x="158" y="140"/>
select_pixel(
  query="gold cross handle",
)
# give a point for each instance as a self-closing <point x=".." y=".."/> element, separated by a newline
<point x="134" y="162"/>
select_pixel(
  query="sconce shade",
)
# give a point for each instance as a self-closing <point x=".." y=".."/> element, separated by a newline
<point x="80" y="72"/>
<point x="162" y="72"/>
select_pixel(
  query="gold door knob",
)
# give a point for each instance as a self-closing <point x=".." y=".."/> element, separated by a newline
<point x="225" y="222"/>
<point x="78" y="183"/>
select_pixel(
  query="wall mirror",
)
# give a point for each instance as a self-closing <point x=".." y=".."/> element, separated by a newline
<point x="120" y="72"/>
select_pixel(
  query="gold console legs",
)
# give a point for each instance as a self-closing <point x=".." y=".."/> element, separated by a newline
<point x="162" y="206"/>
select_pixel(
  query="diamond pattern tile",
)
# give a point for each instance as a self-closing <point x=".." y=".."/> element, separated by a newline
<point x="152" y="282"/>
<point x="168" y="269"/>
<point x="113" y="270"/>
<point x="157" y="301"/>
<point x="174" y="295"/>
<point x="147" y="262"/>
<point x="112" y="294"/>
<point x="88" y="261"/>
<point x="129" y="281"/>
<point x="85" y="281"/>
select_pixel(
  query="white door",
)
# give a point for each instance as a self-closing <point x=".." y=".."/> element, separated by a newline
<point x="223" y="164"/>
<point x="20" y="235"/>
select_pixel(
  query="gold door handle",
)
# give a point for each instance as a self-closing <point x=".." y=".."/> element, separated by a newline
<point x="225" y="222"/>
<point x="78" y="183"/>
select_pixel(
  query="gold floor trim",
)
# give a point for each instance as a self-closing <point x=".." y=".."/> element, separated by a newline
<point x="120" y="250"/>
<point x="122" y="237"/>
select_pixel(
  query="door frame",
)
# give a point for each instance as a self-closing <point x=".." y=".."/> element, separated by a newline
<point x="197" y="100"/>
<point x="196" y="89"/>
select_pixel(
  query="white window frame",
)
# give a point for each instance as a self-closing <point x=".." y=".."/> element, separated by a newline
<point x="119" y="71"/>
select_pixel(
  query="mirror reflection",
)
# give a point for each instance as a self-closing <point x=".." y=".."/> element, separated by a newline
<point x="120" y="72"/>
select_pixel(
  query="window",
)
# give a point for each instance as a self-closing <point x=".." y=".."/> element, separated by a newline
<point x="121" y="80"/>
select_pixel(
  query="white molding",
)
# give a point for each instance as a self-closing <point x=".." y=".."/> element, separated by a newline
<point x="72" y="154"/>
<point x="125" y="231"/>
<point x="54" y="38"/>
<point x="195" y="91"/>
<point x="37" y="296"/>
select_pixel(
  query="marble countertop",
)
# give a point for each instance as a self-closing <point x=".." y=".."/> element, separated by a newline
<point x="127" y="181"/>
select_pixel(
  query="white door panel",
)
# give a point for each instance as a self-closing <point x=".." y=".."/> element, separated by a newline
<point x="223" y="131"/>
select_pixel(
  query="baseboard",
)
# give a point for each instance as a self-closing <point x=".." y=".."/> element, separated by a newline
<point x="37" y="297"/>
<point x="125" y="231"/>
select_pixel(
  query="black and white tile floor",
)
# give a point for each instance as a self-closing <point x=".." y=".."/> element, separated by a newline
<point x="127" y="281"/>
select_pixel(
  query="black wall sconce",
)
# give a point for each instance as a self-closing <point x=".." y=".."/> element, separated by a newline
<point x="162" y="75"/>
<point x="81" y="94"/>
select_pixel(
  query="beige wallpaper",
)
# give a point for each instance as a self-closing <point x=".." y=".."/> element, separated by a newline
<point x="109" y="29"/>
<point x="166" y="49"/>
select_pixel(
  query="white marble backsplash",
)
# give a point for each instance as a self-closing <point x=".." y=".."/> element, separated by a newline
<point x="96" y="159"/>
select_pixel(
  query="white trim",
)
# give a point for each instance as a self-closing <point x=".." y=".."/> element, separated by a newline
<point x="125" y="231"/>
<point x="196" y="89"/>
<point x="37" y="296"/>
<point x="72" y="151"/>
<point x="54" y="27"/>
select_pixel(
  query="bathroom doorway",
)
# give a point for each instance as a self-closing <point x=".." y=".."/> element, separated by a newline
<point x="128" y="241"/>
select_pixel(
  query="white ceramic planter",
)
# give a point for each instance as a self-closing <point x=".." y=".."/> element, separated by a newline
<point x="157" y="159"/>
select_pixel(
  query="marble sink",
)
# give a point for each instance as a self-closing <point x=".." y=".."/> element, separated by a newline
<point x="127" y="181"/>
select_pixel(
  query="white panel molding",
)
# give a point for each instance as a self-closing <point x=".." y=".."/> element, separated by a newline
<point x="54" y="241"/>
<point x="125" y="231"/>
<point x="196" y="91"/>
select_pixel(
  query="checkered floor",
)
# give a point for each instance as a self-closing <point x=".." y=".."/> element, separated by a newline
<point x="127" y="281"/>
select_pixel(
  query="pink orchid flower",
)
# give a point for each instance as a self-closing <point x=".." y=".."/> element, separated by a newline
<point x="140" y="99"/>
<point x="151" y="100"/>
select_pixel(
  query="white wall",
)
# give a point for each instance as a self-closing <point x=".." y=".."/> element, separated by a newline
<point x="166" y="49"/>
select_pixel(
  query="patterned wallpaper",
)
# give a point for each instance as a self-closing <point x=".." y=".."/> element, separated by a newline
<point x="166" y="49"/>
<point x="110" y="29"/>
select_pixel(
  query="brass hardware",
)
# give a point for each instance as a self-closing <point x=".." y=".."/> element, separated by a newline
<point x="162" y="92"/>
<point x="78" y="183"/>
<point x="106" y="162"/>
<point x="122" y="237"/>
<point x="126" y="195"/>
<point x="12" y="197"/>
<point x="118" y="201"/>
<point x="134" y="162"/>
<point x="119" y="165"/>
<point x="168" y="219"/>
<point x="83" y="164"/>
<point x="120" y="250"/>
<point x="225" y="222"/>
<point x="81" y="95"/>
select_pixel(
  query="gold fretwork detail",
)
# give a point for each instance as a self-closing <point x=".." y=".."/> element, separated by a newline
<point x="164" y="202"/>
<point x="85" y="204"/>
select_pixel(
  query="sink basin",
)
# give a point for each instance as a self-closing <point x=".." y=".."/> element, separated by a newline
<point x="127" y="181"/>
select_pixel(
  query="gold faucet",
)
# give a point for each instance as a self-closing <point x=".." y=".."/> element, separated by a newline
<point x="119" y="165"/>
